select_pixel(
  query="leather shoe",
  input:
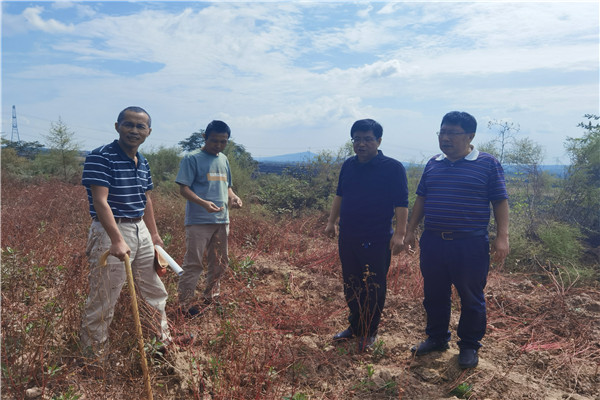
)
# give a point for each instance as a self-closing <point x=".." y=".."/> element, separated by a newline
<point x="343" y="335"/>
<point x="428" y="346"/>
<point x="192" y="312"/>
<point x="180" y="340"/>
<point x="365" y="343"/>
<point x="468" y="358"/>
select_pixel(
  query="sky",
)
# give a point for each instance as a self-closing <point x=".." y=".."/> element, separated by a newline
<point x="293" y="76"/>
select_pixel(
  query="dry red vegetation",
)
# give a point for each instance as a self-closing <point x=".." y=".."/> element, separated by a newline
<point x="270" y="337"/>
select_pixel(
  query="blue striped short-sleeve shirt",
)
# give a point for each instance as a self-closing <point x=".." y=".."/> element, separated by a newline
<point x="127" y="183"/>
<point x="458" y="194"/>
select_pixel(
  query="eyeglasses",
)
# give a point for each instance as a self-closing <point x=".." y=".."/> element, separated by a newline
<point x="451" y="134"/>
<point x="365" y="140"/>
<point x="131" y="125"/>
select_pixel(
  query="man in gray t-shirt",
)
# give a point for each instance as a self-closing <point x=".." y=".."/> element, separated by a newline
<point x="205" y="182"/>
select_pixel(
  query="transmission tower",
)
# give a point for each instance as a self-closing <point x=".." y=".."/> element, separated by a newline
<point x="15" y="128"/>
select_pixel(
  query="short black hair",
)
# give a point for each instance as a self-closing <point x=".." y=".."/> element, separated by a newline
<point x="216" y="126"/>
<point x="465" y="120"/>
<point x="366" y="125"/>
<point x="134" y="109"/>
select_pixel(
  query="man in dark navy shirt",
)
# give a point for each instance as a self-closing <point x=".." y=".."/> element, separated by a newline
<point x="454" y="196"/>
<point x="372" y="190"/>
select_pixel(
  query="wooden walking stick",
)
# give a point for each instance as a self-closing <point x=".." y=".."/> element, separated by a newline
<point x="136" y="317"/>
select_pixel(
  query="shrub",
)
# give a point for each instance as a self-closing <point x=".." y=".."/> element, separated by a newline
<point x="282" y="194"/>
<point x="164" y="164"/>
<point x="561" y="241"/>
<point x="13" y="164"/>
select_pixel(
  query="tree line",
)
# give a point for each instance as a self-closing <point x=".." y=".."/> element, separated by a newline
<point x="553" y="220"/>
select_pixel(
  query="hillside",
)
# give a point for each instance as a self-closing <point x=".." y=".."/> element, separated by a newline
<point x="270" y="338"/>
<point x="305" y="156"/>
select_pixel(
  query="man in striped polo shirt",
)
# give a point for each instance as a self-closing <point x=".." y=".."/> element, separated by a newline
<point x="454" y="196"/>
<point x="117" y="179"/>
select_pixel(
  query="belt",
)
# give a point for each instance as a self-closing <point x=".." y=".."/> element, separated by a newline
<point x="449" y="235"/>
<point x="118" y="220"/>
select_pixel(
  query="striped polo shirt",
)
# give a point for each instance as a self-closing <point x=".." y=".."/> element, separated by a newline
<point x="127" y="183"/>
<point x="458" y="194"/>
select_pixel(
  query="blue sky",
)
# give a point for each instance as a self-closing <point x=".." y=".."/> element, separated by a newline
<point x="293" y="76"/>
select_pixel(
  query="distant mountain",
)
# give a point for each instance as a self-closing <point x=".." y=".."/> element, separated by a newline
<point x="288" y="158"/>
<point x="559" y="171"/>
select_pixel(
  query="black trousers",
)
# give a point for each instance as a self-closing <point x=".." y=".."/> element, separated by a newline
<point x="364" y="269"/>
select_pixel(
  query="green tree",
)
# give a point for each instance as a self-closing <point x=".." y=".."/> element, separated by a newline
<point x="13" y="164"/>
<point x="25" y="149"/>
<point x="64" y="155"/>
<point x="579" y="200"/>
<point x="310" y="185"/>
<point x="194" y="142"/>
<point x="322" y="175"/>
<point x="505" y="135"/>
<point x="243" y="168"/>
<point x="526" y="157"/>
<point x="164" y="164"/>
<point x="489" y="147"/>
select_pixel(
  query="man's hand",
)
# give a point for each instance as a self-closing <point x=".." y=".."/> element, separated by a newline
<point x="330" y="229"/>
<point x="212" y="207"/>
<point x="397" y="243"/>
<point x="410" y="242"/>
<point x="119" y="249"/>
<point x="235" y="201"/>
<point x="500" y="249"/>
<point x="157" y="240"/>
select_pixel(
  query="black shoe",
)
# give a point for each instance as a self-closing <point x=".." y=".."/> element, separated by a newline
<point x="365" y="343"/>
<point x="428" y="346"/>
<point x="468" y="358"/>
<point x="191" y="312"/>
<point x="343" y="335"/>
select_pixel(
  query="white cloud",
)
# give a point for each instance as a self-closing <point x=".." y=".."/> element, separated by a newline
<point x="83" y="10"/>
<point x="58" y="71"/>
<point x="527" y="24"/>
<point x="303" y="72"/>
<point x="389" y="8"/>
<point x="59" y="5"/>
<point x="364" y="13"/>
<point x="33" y="17"/>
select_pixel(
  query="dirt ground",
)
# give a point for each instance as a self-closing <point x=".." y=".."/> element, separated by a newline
<point x="270" y="336"/>
<point x="543" y="342"/>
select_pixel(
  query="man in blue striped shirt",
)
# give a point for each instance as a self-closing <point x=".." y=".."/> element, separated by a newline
<point x="117" y="180"/>
<point x="454" y="196"/>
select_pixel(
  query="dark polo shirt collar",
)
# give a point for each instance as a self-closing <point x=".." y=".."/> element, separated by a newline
<point x="373" y="161"/>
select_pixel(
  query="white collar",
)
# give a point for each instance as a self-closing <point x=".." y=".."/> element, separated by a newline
<point x="472" y="156"/>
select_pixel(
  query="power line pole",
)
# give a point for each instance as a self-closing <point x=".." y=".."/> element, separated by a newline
<point x="15" y="128"/>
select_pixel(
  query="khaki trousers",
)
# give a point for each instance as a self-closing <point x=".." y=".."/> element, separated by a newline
<point x="106" y="284"/>
<point x="200" y="239"/>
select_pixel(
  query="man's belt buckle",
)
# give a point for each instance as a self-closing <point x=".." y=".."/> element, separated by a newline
<point x="449" y="237"/>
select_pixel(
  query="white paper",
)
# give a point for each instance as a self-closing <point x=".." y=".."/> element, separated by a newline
<point x="174" y="266"/>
